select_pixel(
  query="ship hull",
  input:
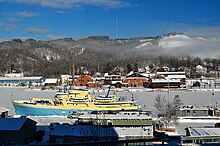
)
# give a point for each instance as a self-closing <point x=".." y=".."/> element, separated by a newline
<point x="26" y="110"/>
<point x="34" y="111"/>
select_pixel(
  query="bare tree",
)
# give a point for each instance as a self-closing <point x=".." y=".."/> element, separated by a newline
<point x="167" y="110"/>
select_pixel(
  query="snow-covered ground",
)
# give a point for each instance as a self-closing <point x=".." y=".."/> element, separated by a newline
<point x="146" y="99"/>
<point x="199" y="97"/>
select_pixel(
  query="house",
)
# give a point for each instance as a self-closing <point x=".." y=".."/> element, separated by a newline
<point x="190" y="110"/>
<point x="175" y="76"/>
<point x="17" y="131"/>
<point x="83" y="80"/>
<point x="159" y="81"/>
<point x="112" y="79"/>
<point x="66" y="79"/>
<point x="135" y="80"/>
<point x="14" y="73"/>
<point x="4" y="112"/>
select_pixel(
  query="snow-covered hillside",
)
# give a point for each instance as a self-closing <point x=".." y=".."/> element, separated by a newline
<point x="181" y="44"/>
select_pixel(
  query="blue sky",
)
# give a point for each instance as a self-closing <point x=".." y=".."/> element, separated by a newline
<point x="50" y="19"/>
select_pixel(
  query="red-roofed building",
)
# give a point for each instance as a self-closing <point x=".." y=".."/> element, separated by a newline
<point x="83" y="80"/>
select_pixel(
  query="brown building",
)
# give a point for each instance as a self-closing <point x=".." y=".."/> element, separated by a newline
<point x="159" y="81"/>
<point x="135" y="80"/>
<point x="83" y="80"/>
<point x="17" y="131"/>
<point x="94" y="85"/>
<point x="111" y="79"/>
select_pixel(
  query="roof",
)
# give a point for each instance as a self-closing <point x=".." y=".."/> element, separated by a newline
<point x="129" y="115"/>
<point x="12" y="123"/>
<point x="191" y="107"/>
<point x="115" y="82"/>
<point x="82" y="130"/>
<point x="203" y="131"/>
<point x="3" y="109"/>
<point x="171" y="73"/>
<point x="176" y="76"/>
<point x="135" y="74"/>
<point x="51" y="80"/>
<point x="100" y="131"/>
<point x="20" y="78"/>
<point x="165" y="81"/>
<point x="130" y="78"/>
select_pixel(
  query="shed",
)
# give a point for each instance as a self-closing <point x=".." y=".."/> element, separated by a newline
<point x="4" y="112"/>
<point x="18" y="131"/>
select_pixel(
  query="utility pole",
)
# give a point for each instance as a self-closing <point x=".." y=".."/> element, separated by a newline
<point x="116" y="27"/>
<point x="73" y="70"/>
<point x="213" y="111"/>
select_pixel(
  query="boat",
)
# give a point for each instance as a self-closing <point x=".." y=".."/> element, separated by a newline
<point x="72" y="101"/>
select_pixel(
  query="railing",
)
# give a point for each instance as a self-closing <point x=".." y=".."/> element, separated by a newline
<point x="199" y="139"/>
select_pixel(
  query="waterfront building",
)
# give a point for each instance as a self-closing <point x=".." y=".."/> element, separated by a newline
<point x="201" y="136"/>
<point x="96" y="126"/>
<point x="21" y="81"/>
<point x="159" y="81"/>
<point x="190" y="110"/>
<point x="83" y="80"/>
<point x="135" y="80"/>
<point x="112" y="79"/>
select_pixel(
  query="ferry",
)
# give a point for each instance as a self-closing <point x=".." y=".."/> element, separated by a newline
<point x="72" y="101"/>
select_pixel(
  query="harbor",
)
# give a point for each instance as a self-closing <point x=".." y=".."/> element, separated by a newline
<point x="109" y="73"/>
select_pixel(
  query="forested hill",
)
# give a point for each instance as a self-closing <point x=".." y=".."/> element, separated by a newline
<point x="101" y="54"/>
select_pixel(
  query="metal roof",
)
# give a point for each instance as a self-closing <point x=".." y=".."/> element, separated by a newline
<point x="12" y="123"/>
<point x="3" y="109"/>
<point x="203" y="131"/>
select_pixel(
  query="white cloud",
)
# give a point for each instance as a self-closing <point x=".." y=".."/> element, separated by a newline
<point x="59" y="12"/>
<point x="37" y="30"/>
<point x="8" y="26"/>
<point x="204" y="31"/>
<point x="27" y="14"/>
<point x="54" y="37"/>
<point x="72" y="3"/>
